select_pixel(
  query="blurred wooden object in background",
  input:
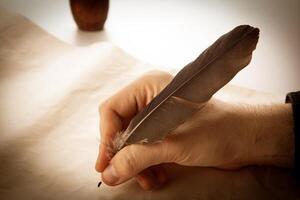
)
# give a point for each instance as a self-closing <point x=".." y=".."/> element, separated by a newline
<point x="89" y="15"/>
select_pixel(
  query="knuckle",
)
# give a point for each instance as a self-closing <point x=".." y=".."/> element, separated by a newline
<point x="168" y="154"/>
<point x="168" y="149"/>
<point x="129" y="160"/>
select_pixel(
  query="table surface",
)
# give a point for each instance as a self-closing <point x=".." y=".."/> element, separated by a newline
<point x="172" y="33"/>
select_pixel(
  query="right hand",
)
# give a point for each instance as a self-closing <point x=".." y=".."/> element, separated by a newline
<point x="115" y="115"/>
<point x="222" y="135"/>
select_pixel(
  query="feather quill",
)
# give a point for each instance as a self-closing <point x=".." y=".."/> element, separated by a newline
<point x="191" y="88"/>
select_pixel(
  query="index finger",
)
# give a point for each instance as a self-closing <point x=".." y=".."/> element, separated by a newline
<point x="115" y="114"/>
<point x="110" y="123"/>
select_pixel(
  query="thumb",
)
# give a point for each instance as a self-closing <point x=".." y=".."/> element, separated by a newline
<point x="132" y="159"/>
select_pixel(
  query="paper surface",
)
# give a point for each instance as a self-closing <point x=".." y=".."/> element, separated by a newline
<point x="49" y="136"/>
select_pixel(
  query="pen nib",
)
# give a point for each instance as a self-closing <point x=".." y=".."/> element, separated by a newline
<point x="99" y="184"/>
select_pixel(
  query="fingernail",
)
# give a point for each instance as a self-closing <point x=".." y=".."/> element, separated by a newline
<point x="110" y="175"/>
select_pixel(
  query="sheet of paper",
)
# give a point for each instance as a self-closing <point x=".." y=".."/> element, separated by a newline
<point x="49" y="137"/>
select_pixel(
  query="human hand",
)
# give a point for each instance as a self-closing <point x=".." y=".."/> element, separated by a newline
<point x="222" y="135"/>
<point x="116" y="113"/>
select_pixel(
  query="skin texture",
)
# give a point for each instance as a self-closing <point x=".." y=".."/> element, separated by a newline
<point x="221" y="135"/>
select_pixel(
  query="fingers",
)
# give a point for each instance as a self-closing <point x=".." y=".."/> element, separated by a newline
<point x="110" y="124"/>
<point x="153" y="177"/>
<point x="146" y="179"/>
<point x="114" y="116"/>
<point x="117" y="111"/>
<point x="133" y="159"/>
<point x="160" y="174"/>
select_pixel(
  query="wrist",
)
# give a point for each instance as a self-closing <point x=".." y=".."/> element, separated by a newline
<point x="268" y="131"/>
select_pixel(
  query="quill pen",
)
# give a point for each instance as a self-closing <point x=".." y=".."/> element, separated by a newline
<point x="191" y="88"/>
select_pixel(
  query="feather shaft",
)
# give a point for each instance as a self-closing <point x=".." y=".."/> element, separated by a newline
<point x="192" y="87"/>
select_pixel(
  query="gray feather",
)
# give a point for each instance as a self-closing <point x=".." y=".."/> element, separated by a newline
<point x="192" y="87"/>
